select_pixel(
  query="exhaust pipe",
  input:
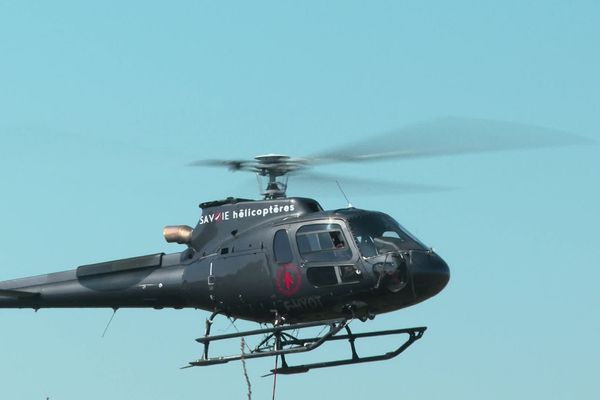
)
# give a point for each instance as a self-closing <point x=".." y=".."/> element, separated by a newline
<point x="181" y="234"/>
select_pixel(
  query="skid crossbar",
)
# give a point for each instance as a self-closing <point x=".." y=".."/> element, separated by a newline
<point x="276" y="332"/>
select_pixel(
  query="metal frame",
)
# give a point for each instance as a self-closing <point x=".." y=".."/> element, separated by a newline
<point x="279" y="342"/>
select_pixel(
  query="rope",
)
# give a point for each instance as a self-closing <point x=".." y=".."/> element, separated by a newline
<point x="238" y="331"/>
<point x="275" y="376"/>
<point x="242" y="344"/>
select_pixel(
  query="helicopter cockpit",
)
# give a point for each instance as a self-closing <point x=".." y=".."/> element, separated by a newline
<point x="377" y="234"/>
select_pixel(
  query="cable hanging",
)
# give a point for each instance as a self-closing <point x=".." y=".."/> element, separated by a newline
<point x="242" y="345"/>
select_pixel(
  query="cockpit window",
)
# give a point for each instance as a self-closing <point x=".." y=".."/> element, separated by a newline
<point x="376" y="234"/>
<point x="323" y="242"/>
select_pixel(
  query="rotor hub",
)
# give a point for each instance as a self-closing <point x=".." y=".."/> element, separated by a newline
<point x="275" y="167"/>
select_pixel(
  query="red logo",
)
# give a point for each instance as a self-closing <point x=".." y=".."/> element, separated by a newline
<point x="288" y="279"/>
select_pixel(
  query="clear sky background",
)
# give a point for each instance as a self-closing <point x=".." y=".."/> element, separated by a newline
<point x="102" y="105"/>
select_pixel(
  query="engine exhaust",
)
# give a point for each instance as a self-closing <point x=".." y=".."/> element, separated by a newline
<point x="181" y="234"/>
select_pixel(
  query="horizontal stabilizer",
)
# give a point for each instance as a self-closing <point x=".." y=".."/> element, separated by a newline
<point x="18" y="294"/>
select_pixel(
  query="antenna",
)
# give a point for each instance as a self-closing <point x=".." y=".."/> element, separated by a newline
<point x="342" y="190"/>
<point x="109" y="321"/>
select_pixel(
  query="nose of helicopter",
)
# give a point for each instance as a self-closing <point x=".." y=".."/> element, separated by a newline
<point x="430" y="274"/>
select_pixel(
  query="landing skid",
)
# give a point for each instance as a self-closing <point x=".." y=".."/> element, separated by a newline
<point x="278" y="341"/>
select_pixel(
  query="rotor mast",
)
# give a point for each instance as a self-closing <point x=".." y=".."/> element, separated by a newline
<point x="275" y="167"/>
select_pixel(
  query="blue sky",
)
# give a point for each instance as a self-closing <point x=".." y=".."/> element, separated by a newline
<point x="102" y="105"/>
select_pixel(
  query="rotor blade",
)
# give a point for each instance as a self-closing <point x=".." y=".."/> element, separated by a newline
<point x="233" y="165"/>
<point x="448" y="136"/>
<point x="323" y="182"/>
<point x="277" y="163"/>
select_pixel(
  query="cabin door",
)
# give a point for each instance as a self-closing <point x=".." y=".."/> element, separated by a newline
<point x="242" y="281"/>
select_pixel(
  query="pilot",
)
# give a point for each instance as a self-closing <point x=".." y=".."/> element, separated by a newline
<point x="338" y="243"/>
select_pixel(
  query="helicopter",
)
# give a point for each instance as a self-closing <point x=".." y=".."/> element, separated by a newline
<point x="285" y="262"/>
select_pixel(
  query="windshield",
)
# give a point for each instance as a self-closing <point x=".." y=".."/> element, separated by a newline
<point x="377" y="233"/>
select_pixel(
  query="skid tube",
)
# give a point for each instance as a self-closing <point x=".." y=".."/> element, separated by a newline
<point x="278" y="342"/>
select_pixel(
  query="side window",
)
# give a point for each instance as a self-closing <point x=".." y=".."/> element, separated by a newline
<point x="323" y="242"/>
<point x="281" y="247"/>
<point x="349" y="274"/>
<point x="321" y="276"/>
<point x="327" y="275"/>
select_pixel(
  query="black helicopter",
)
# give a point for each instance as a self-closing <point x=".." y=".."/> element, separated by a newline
<point x="284" y="261"/>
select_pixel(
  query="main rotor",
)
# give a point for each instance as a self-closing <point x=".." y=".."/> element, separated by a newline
<point x="275" y="167"/>
<point x="438" y="137"/>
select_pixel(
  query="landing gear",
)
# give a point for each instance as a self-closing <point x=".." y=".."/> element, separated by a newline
<point x="414" y="334"/>
<point x="279" y="341"/>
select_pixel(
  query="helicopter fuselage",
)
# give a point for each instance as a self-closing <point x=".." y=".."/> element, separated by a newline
<point x="258" y="260"/>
